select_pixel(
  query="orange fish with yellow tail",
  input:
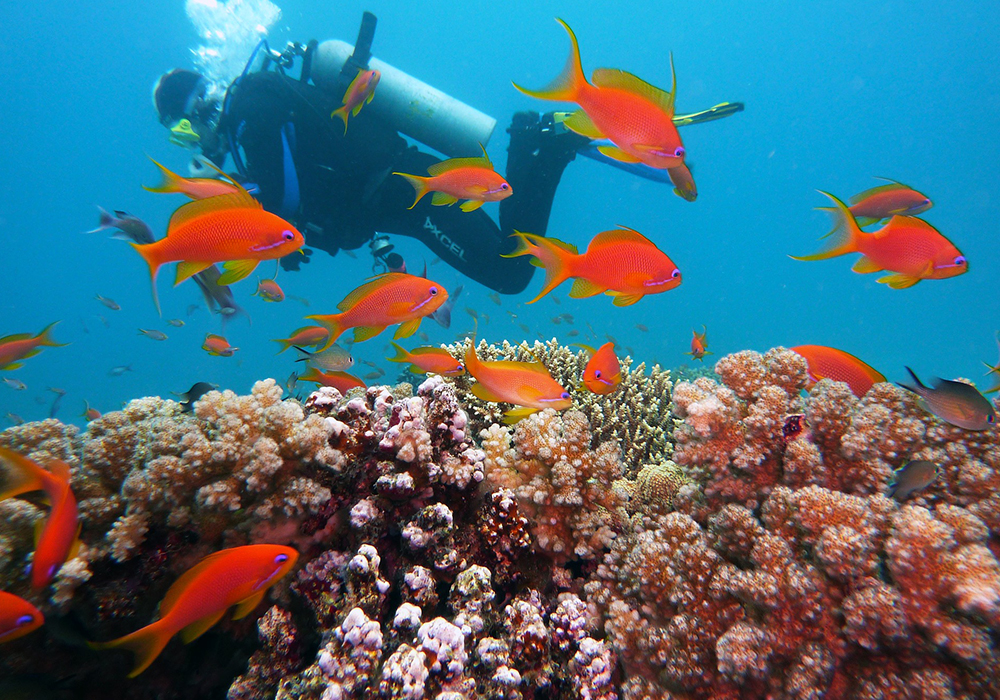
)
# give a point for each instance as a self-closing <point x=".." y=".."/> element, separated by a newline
<point x="525" y="384"/>
<point x="20" y="346"/>
<point x="603" y="372"/>
<point x="238" y="576"/>
<point x="339" y="380"/>
<point x="621" y="263"/>
<point x="429" y="359"/>
<point x="636" y="116"/>
<point x="233" y="229"/>
<point x="840" y="366"/>
<point x="18" y="617"/>
<point x="58" y="536"/>
<point x="885" y="201"/>
<point x="471" y="179"/>
<point x="908" y="247"/>
<point x="359" y="93"/>
<point x="194" y="187"/>
<point x="388" y="299"/>
<point x="699" y="344"/>
<point x="307" y="335"/>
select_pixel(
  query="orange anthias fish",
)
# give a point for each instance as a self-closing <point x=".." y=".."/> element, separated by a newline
<point x="359" y="93"/>
<point x="699" y="344"/>
<point x="194" y="187"/>
<point x="525" y="384"/>
<point x="341" y="381"/>
<point x="20" y="346"/>
<point x="622" y="263"/>
<point x="429" y="359"/>
<point x="238" y="576"/>
<point x="471" y="179"/>
<point x="885" y="201"/>
<point x="910" y="248"/>
<point x="231" y="228"/>
<point x="603" y="372"/>
<point x="394" y="297"/>
<point x="58" y="537"/>
<point x="218" y="346"/>
<point x="683" y="182"/>
<point x="268" y="290"/>
<point x="18" y="617"/>
<point x="307" y="335"/>
<point x="636" y="116"/>
<point x="840" y="366"/>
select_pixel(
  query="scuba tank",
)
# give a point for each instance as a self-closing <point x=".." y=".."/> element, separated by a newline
<point x="410" y="106"/>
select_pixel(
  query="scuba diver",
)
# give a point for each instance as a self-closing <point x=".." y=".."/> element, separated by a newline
<point x="336" y="186"/>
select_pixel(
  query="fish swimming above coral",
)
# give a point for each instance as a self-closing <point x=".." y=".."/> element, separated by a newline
<point x="957" y="403"/>
<point x="21" y="346"/>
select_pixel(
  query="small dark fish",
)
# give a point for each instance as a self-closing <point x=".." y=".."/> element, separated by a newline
<point x="568" y="318"/>
<point x="555" y="320"/>
<point x="434" y="262"/>
<point x="956" y="403"/>
<point x="110" y="303"/>
<point x="369" y="363"/>
<point x="218" y="297"/>
<point x="374" y="375"/>
<point x="641" y="327"/>
<point x="443" y="313"/>
<point x="57" y="391"/>
<point x="573" y="333"/>
<point x="291" y="382"/>
<point x="333" y="359"/>
<point x="54" y="408"/>
<point x="154" y="334"/>
<point x="555" y="299"/>
<point x="350" y="253"/>
<point x="611" y="338"/>
<point x="175" y="322"/>
<point x="15" y="384"/>
<point x="472" y="312"/>
<point x="424" y="338"/>
<point x="119" y="370"/>
<point x="14" y="418"/>
<point x="912" y="477"/>
<point x="192" y="308"/>
<point x="130" y="227"/>
<point x="494" y="297"/>
<point x="198" y="390"/>
<point x="524" y="327"/>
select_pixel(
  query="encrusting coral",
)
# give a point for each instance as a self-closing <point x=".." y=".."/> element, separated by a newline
<point x="575" y="555"/>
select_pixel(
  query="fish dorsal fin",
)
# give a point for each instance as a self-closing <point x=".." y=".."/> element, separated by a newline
<point x="891" y="187"/>
<point x="623" y="80"/>
<point x="590" y="350"/>
<point x="200" y="207"/>
<point x="16" y="336"/>
<point x="899" y="221"/>
<point x="569" y="247"/>
<point x="618" y="235"/>
<point x="368" y="287"/>
<point x="455" y="163"/>
<point x="185" y="580"/>
<point x="206" y="162"/>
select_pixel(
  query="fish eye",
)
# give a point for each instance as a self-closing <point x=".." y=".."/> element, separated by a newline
<point x="24" y="620"/>
<point x="679" y="151"/>
<point x="505" y="186"/>
<point x="991" y="419"/>
<point x="597" y="374"/>
<point x="288" y="235"/>
<point x="960" y="260"/>
<point x="281" y="559"/>
<point x="676" y="273"/>
<point x="434" y="291"/>
<point x="565" y="395"/>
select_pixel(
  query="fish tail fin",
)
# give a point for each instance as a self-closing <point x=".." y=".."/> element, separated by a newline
<point x="18" y="475"/>
<point x="918" y="389"/>
<point x="420" y="186"/>
<point x="341" y="113"/>
<point x="45" y="338"/>
<point x="154" y="267"/>
<point x="285" y="344"/>
<point x="171" y="181"/>
<point x="567" y="85"/>
<point x="401" y="354"/>
<point x="331" y="323"/>
<point x="104" y="221"/>
<point x="553" y="256"/>
<point x="846" y="235"/>
<point x="145" y="644"/>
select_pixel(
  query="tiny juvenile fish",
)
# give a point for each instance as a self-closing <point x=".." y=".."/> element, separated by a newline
<point x="110" y="303"/>
<point x="154" y="334"/>
<point x="699" y="344"/>
<point x="912" y="477"/>
<point x="175" y="322"/>
<point x="471" y="179"/>
<point x="18" y="617"/>
<point x="840" y="366"/>
<point x="268" y="290"/>
<point x="20" y="346"/>
<point x="15" y="384"/>
<point x="217" y="345"/>
<point x="956" y="403"/>
<point x="429" y="359"/>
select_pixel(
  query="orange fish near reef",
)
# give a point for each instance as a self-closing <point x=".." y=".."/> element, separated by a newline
<point x="20" y="475"/>
<point x="231" y="228"/>
<point x="636" y="116"/>
<point x="699" y="344"/>
<point x="621" y="263"/>
<point x="471" y="179"/>
<point x="525" y="384"/>
<point x="884" y="201"/>
<point x="910" y="248"/>
<point x="394" y="297"/>
<point x="268" y="290"/>
<point x="603" y="372"/>
<point x="307" y="335"/>
<point x="341" y="381"/>
<point x="840" y="366"/>
<point x="424" y="360"/>
<point x="18" y="617"/>
<point x="20" y="346"/>
<point x="194" y="187"/>
<point x="359" y="93"/>
<point x="683" y="182"/>
<point x="238" y="576"/>
<point x="218" y="346"/>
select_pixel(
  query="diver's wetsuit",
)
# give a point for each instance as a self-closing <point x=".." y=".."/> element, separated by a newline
<point x="338" y="189"/>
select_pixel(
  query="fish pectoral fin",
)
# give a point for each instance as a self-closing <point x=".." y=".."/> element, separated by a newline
<point x="196" y="629"/>
<point x="235" y="270"/>
<point x="366" y="332"/>
<point x="12" y="365"/>
<point x="357" y="109"/>
<point x="624" y="299"/>
<point x="442" y="199"/>
<point x="471" y="205"/>
<point x="189" y="268"/>
<point x="582" y="124"/>
<point x="247" y="606"/>
<point x="899" y="281"/>
<point x="515" y="415"/>
<point x="480" y="391"/>
<point x="616" y="153"/>
<point x="583" y="288"/>
<point x="407" y="329"/>
<point x="864" y="265"/>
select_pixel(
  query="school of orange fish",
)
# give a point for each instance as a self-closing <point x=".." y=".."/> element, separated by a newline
<point x="224" y="224"/>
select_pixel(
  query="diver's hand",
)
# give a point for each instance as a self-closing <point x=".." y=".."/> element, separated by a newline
<point x="293" y="261"/>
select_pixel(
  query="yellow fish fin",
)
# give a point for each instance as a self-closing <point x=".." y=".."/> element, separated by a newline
<point x="189" y="268"/>
<point x="196" y="629"/>
<point x="455" y="163"/>
<point x="866" y="220"/>
<point x="407" y="329"/>
<point x="580" y="123"/>
<point x="236" y="270"/>
<point x="515" y="415"/>
<point x="341" y="113"/>
<point x="247" y="605"/>
<point x="864" y="265"/>
<point x="471" y="205"/>
<point x="357" y="109"/>
<point x="625" y="299"/>
<point x="200" y="207"/>
<point x="583" y="288"/>
<point x="899" y="281"/>
<point x="13" y="365"/>
<point x="622" y="80"/>
<point x="366" y="332"/>
<point x="617" y="154"/>
<point x="441" y="199"/>
<point x="480" y="391"/>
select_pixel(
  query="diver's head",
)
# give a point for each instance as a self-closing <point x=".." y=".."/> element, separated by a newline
<point x="181" y="102"/>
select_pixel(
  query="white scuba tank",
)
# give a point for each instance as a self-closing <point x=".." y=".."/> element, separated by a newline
<point x="411" y="106"/>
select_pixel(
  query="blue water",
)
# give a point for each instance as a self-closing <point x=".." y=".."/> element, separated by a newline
<point x="835" y="94"/>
